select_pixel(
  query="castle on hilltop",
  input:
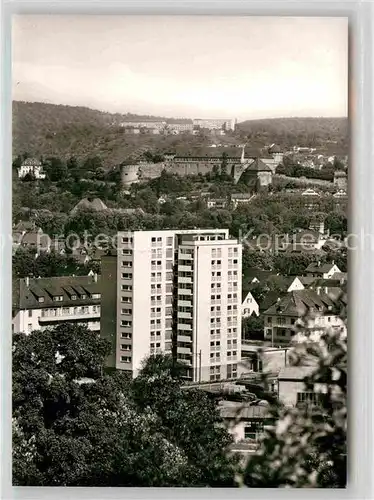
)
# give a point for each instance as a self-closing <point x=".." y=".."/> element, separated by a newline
<point x="251" y="170"/>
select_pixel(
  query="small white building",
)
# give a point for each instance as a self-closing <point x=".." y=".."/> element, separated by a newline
<point x="310" y="192"/>
<point x="217" y="203"/>
<point x="340" y="194"/>
<point x="32" y="167"/>
<point x="162" y="200"/>
<point x="249" y="306"/>
<point x="245" y="422"/>
<point x="291" y="387"/>
<point x="240" y="199"/>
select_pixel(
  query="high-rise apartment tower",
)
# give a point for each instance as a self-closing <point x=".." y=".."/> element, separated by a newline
<point x="176" y="292"/>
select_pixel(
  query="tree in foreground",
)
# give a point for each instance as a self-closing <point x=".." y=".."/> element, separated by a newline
<point x="74" y="425"/>
<point x="307" y="446"/>
<point x="189" y="419"/>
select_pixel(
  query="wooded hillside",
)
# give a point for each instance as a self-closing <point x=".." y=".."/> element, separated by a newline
<point x="42" y="129"/>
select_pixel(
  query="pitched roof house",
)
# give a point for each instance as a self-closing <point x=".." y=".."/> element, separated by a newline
<point x="246" y="422"/>
<point x="319" y="270"/>
<point x="42" y="302"/>
<point x="249" y="305"/>
<point x="280" y="318"/>
<point x="300" y="282"/>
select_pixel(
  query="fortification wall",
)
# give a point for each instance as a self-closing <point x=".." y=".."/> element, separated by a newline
<point x="153" y="170"/>
<point x="190" y="168"/>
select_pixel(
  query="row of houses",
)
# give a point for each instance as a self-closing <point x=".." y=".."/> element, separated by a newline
<point x="320" y="293"/>
<point x="175" y="129"/>
<point x="232" y="201"/>
<point x="40" y="303"/>
<point x="47" y="302"/>
<point x="311" y="197"/>
<point x="310" y="158"/>
<point x="315" y="242"/>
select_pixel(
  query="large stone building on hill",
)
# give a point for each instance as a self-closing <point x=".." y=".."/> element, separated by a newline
<point x="256" y="168"/>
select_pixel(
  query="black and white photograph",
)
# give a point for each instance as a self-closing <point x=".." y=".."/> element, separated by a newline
<point x="179" y="251"/>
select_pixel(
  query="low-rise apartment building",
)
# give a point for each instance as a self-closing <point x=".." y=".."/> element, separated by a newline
<point x="217" y="203"/>
<point x="40" y="303"/>
<point x="214" y="124"/>
<point x="180" y="127"/>
<point x="144" y="124"/>
<point x="280" y="318"/>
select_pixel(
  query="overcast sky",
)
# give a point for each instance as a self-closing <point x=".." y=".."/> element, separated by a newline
<point x="207" y="67"/>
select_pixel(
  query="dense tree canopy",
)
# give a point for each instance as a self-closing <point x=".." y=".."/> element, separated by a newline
<point x="253" y="328"/>
<point x="48" y="264"/>
<point x="75" y="425"/>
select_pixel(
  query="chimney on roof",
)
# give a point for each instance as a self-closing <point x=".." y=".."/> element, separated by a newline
<point x="95" y="277"/>
<point x="27" y="281"/>
<point x="242" y="159"/>
<point x="333" y="262"/>
<point x="319" y="263"/>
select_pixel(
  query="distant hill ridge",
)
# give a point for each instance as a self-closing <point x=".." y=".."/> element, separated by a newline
<point x="71" y="114"/>
<point x="317" y="125"/>
<point x="43" y="129"/>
